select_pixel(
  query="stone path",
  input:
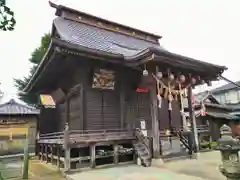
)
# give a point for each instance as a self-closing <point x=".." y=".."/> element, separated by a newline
<point x="205" y="168"/>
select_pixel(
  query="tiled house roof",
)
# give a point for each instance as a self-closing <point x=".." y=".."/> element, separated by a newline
<point x="13" y="108"/>
<point x="225" y="87"/>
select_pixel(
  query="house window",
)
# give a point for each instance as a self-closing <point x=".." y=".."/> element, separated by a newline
<point x="222" y="98"/>
<point x="238" y="94"/>
<point x="232" y="97"/>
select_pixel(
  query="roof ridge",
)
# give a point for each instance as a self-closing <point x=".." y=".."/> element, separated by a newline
<point x="60" y="8"/>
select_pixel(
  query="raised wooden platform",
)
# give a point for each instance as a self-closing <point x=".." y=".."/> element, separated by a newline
<point x="78" y="138"/>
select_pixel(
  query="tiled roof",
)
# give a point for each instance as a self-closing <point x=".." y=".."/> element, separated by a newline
<point x="100" y="39"/>
<point x="129" y="48"/>
<point x="225" y="87"/>
<point x="87" y="39"/>
<point x="222" y="115"/>
<point x="13" y="108"/>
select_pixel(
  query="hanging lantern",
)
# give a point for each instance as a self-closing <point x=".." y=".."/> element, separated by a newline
<point x="182" y="78"/>
<point x="209" y="83"/>
<point x="159" y="75"/>
<point x="171" y="77"/>
<point x="202" y="82"/>
<point x="193" y="81"/>
<point x="145" y="72"/>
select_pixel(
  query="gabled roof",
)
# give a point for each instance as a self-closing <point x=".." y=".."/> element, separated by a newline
<point x="225" y="87"/>
<point x="60" y="9"/>
<point x="87" y="39"/>
<point x="13" y="108"/>
<point x="204" y="96"/>
<point x="100" y="39"/>
<point x="128" y="50"/>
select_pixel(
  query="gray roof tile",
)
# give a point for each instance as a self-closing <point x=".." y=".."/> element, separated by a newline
<point x="13" y="108"/>
<point x="225" y="87"/>
<point x="100" y="39"/>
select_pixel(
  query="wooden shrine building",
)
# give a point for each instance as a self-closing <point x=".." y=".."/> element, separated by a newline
<point x="115" y="90"/>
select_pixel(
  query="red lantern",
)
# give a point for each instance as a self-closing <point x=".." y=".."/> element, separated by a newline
<point x="142" y="90"/>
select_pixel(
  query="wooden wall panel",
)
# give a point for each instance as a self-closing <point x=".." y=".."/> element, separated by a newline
<point x="111" y="109"/>
<point x="75" y="112"/>
<point x="62" y="116"/>
<point x="143" y="109"/>
<point x="94" y="119"/>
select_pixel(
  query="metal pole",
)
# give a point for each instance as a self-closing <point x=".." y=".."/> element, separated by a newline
<point x="26" y="160"/>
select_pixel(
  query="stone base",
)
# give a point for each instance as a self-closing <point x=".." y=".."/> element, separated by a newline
<point x="139" y="162"/>
<point x="195" y="156"/>
<point x="157" y="162"/>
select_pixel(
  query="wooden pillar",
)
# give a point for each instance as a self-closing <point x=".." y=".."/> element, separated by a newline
<point x="116" y="155"/>
<point x="42" y="151"/>
<point x="193" y="119"/>
<point x="67" y="150"/>
<point x="93" y="156"/>
<point x="122" y="106"/>
<point x="51" y="149"/>
<point x="155" y="124"/>
<point x="39" y="152"/>
<point x="46" y="151"/>
<point x="81" y="96"/>
<point x="58" y="156"/>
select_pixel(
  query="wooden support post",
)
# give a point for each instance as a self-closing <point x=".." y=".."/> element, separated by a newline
<point x="193" y="120"/>
<point x="67" y="162"/>
<point x="42" y="151"/>
<point x="93" y="156"/>
<point x="67" y="150"/>
<point x="122" y="106"/>
<point x="116" y="154"/>
<point x="51" y="149"/>
<point x="155" y="124"/>
<point x="46" y="151"/>
<point x="81" y="97"/>
<point x="58" y="156"/>
<point x="39" y="151"/>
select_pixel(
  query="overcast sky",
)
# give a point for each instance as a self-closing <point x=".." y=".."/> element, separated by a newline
<point x="202" y="29"/>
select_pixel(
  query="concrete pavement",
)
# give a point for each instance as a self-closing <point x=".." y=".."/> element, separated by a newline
<point x="205" y="168"/>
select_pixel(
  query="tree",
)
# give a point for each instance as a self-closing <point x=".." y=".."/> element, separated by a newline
<point x="7" y="20"/>
<point x="35" y="59"/>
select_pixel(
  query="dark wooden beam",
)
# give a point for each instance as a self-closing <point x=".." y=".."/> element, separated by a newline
<point x="58" y="156"/>
<point x="116" y="155"/>
<point x="82" y="114"/>
<point x="155" y="124"/>
<point x="46" y="152"/>
<point x="42" y="151"/>
<point x="92" y="155"/>
<point x="122" y="105"/>
<point x="51" y="149"/>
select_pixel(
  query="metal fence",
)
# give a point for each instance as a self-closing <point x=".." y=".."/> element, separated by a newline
<point x="10" y="168"/>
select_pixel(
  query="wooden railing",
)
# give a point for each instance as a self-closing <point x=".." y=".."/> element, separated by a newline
<point x="74" y="136"/>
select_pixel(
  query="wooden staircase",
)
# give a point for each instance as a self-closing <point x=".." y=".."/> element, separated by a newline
<point x="184" y="139"/>
<point x="142" y="148"/>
